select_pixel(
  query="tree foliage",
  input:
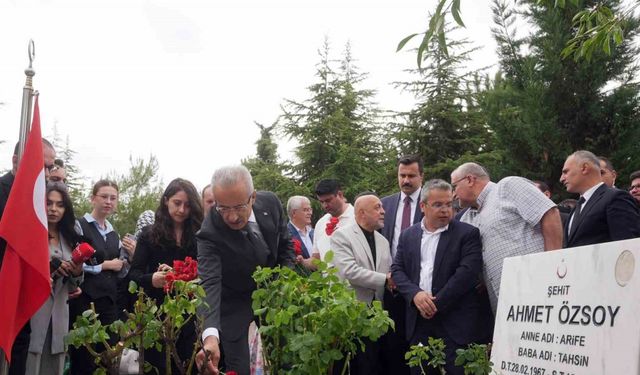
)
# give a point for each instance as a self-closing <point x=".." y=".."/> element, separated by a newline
<point x="266" y="170"/>
<point x="542" y="107"/>
<point x="596" y="28"/>
<point x="447" y="113"/>
<point x="337" y="129"/>
<point x="140" y="190"/>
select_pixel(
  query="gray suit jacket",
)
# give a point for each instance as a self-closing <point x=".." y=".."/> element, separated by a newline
<point x="227" y="259"/>
<point x="352" y="257"/>
<point x="55" y="308"/>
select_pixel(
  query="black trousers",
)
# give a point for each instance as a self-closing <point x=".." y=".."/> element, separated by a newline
<point x="82" y="362"/>
<point x="19" y="351"/>
<point x="236" y="353"/>
<point x="426" y="328"/>
<point x="365" y="362"/>
<point x="394" y="343"/>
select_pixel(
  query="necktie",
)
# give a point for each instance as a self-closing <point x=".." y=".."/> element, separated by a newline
<point x="576" y="216"/>
<point x="255" y="237"/>
<point x="406" y="214"/>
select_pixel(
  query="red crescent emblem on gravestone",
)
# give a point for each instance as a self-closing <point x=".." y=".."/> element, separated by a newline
<point x="561" y="271"/>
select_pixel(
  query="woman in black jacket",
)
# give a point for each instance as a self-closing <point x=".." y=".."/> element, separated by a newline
<point x="171" y="237"/>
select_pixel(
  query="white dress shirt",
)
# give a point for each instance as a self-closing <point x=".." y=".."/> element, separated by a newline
<point x="321" y="240"/>
<point x="428" y="248"/>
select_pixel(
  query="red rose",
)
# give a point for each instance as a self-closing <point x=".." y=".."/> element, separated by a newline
<point x="297" y="246"/>
<point x="186" y="270"/>
<point x="331" y="225"/>
<point x="231" y="373"/>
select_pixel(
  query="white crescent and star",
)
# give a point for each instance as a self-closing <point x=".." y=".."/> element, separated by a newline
<point x="39" y="199"/>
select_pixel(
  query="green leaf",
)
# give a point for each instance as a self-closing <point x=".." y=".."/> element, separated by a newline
<point x="405" y="41"/>
<point x="606" y="46"/>
<point x="455" y="12"/>
<point x="133" y="287"/>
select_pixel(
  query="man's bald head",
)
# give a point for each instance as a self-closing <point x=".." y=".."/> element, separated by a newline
<point x="369" y="212"/>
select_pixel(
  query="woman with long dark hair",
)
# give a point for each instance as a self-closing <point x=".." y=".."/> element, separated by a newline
<point x="171" y="237"/>
<point x="50" y="323"/>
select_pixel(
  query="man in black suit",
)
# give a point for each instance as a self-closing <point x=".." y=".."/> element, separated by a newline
<point x="603" y="213"/>
<point x="246" y="229"/>
<point x="436" y="270"/>
<point x="402" y="210"/>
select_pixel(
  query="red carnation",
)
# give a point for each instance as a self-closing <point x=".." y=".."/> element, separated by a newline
<point x="231" y="373"/>
<point x="331" y="225"/>
<point x="297" y="246"/>
<point x="186" y="270"/>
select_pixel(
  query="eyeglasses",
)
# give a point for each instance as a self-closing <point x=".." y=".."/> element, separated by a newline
<point x="634" y="187"/>
<point x="106" y="197"/>
<point x="222" y="210"/>
<point x="454" y="184"/>
<point x="439" y="205"/>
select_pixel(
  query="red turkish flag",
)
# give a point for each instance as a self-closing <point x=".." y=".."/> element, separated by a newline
<point x="25" y="282"/>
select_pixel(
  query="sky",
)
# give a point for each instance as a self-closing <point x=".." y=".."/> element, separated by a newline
<point x="185" y="80"/>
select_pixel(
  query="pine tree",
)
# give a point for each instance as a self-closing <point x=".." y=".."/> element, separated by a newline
<point x="336" y="129"/>
<point x="446" y="127"/>
<point x="544" y="107"/>
<point x="266" y="171"/>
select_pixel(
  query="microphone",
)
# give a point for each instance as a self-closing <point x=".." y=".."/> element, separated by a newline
<point x="82" y="253"/>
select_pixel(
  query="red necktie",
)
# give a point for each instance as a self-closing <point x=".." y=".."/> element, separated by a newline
<point x="406" y="214"/>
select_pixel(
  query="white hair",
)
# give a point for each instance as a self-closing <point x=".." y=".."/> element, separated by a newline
<point x="295" y="203"/>
<point x="583" y="156"/>
<point x="231" y="175"/>
<point x="472" y="169"/>
<point x="435" y="184"/>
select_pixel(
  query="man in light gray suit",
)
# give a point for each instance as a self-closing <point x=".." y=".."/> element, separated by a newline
<point x="362" y="257"/>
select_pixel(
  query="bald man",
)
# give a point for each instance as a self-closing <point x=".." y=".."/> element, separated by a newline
<point x="362" y="257"/>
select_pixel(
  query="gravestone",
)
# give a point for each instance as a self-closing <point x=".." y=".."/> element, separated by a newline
<point x="569" y="312"/>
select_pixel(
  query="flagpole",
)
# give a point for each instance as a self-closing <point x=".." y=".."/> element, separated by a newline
<point x="27" y="100"/>
<point x="25" y="126"/>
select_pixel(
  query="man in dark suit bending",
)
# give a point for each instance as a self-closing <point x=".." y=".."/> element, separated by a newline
<point x="246" y="229"/>
<point x="603" y="213"/>
<point x="436" y="270"/>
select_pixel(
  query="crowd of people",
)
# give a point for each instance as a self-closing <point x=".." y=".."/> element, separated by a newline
<point x="432" y="253"/>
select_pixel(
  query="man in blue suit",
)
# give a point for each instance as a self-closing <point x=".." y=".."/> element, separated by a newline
<point x="436" y="270"/>
<point x="402" y="210"/>
<point x="300" y="211"/>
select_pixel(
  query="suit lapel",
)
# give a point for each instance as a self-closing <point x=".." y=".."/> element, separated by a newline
<point x="381" y="248"/>
<point x="416" y="253"/>
<point x="418" y="214"/>
<point x="267" y="229"/>
<point x="390" y="216"/>
<point x="364" y="245"/>
<point x="441" y="252"/>
<point x="295" y="235"/>
<point x="597" y="195"/>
